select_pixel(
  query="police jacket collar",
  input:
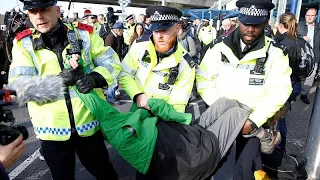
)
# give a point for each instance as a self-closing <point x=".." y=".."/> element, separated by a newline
<point x="233" y="42"/>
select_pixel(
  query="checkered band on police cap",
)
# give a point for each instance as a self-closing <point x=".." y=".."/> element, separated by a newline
<point x="254" y="11"/>
<point x="163" y="17"/>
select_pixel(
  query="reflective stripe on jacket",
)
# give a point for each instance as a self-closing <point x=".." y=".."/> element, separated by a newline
<point x="142" y="73"/>
<point x="51" y="120"/>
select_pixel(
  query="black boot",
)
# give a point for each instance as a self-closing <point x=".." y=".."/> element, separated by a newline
<point x="304" y="98"/>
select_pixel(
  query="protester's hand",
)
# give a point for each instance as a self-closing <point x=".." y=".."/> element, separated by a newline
<point x="10" y="153"/>
<point x="142" y="101"/>
<point x="246" y="129"/>
<point x="73" y="61"/>
<point x="71" y="76"/>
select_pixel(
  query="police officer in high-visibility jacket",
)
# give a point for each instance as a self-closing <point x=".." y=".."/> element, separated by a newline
<point x="248" y="67"/>
<point x="158" y="66"/>
<point x="130" y="25"/>
<point x="207" y="35"/>
<point x="65" y="126"/>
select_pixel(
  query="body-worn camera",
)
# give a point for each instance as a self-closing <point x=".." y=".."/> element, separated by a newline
<point x="9" y="133"/>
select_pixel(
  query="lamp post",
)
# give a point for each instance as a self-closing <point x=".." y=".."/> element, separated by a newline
<point x="123" y="4"/>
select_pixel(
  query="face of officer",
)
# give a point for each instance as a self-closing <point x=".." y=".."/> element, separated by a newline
<point x="92" y="19"/>
<point x="311" y="16"/>
<point x="44" y="19"/>
<point x="205" y="23"/>
<point x="250" y="33"/>
<point x="165" y="39"/>
<point x="131" y="21"/>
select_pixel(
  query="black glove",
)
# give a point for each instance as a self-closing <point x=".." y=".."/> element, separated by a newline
<point x="86" y="84"/>
<point x="90" y="81"/>
<point x="71" y="76"/>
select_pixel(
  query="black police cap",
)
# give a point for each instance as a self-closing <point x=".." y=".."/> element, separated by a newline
<point x="263" y="4"/>
<point x="32" y="4"/>
<point x="162" y="17"/>
<point x="254" y="11"/>
<point x="129" y="17"/>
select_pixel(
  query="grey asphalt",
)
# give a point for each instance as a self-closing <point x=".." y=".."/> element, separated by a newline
<point x="297" y="122"/>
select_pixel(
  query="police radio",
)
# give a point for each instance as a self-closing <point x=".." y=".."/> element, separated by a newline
<point x="173" y="75"/>
<point x="75" y="43"/>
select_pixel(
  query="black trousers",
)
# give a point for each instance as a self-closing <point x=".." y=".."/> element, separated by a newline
<point x="242" y="160"/>
<point x="92" y="152"/>
<point x="245" y="161"/>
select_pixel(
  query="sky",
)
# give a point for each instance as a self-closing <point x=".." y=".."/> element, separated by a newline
<point x="75" y="7"/>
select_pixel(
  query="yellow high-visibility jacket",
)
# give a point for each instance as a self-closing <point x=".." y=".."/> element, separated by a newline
<point x="222" y="74"/>
<point x="143" y="72"/>
<point x="128" y="33"/>
<point x="51" y="120"/>
<point x="207" y="34"/>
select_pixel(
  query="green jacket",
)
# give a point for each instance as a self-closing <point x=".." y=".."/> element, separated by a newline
<point x="137" y="149"/>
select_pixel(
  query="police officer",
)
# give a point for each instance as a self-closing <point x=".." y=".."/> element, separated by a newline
<point x="130" y="29"/>
<point x="65" y="126"/>
<point x="93" y="21"/>
<point x="158" y="66"/>
<point x="206" y="36"/>
<point x="248" y="67"/>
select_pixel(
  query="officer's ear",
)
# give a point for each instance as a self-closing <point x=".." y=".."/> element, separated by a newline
<point x="177" y="27"/>
<point x="57" y="9"/>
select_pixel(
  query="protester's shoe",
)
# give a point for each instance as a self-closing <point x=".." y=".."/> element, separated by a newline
<point x="304" y="98"/>
<point x="268" y="144"/>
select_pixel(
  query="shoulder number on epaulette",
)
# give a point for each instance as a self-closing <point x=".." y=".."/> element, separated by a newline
<point x="281" y="46"/>
<point x="85" y="27"/>
<point x="23" y="34"/>
<point x="143" y="39"/>
<point x="189" y="60"/>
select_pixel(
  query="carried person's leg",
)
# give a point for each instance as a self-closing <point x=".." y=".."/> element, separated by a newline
<point x="228" y="126"/>
<point x="94" y="156"/>
<point x="60" y="157"/>
<point x="215" y="111"/>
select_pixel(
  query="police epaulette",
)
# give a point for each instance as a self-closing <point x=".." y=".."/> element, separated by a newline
<point x="85" y="27"/>
<point x="281" y="46"/>
<point x="23" y="34"/>
<point x="143" y="39"/>
<point x="189" y="60"/>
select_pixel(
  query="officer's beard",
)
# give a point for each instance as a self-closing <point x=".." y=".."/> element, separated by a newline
<point x="169" y="44"/>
